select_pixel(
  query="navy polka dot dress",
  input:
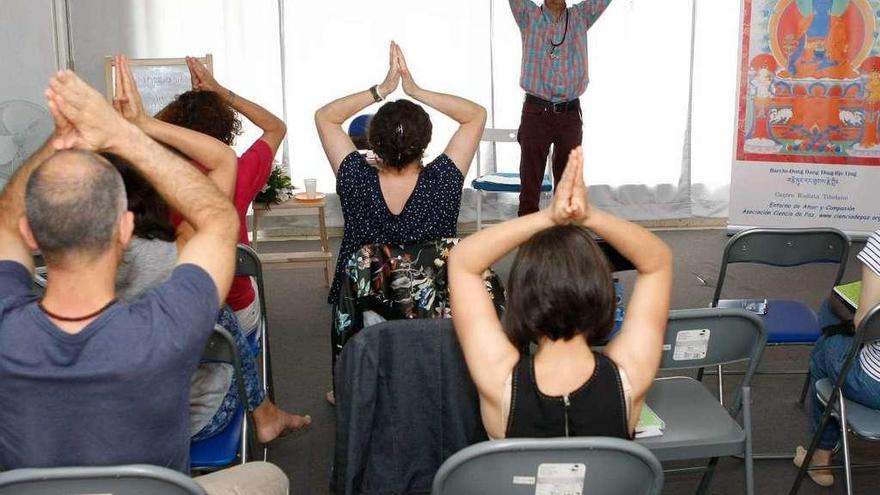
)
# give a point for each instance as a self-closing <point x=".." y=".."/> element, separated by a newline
<point x="430" y="213"/>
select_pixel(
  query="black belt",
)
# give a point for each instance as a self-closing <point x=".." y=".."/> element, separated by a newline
<point x="565" y="106"/>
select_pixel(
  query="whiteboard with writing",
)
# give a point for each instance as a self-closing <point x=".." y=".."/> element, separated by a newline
<point x="159" y="81"/>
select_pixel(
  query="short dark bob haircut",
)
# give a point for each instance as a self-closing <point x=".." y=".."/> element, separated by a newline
<point x="560" y="286"/>
<point x="203" y="111"/>
<point x="399" y="133"/>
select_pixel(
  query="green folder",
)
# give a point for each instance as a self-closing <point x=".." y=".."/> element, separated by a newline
<point x="850" y="293"/>
<point x="649" y="425"/>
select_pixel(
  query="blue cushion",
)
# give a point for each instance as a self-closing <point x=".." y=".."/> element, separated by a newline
<point x="220" y="450"/>
<point x="787" y="321"/>
<point x="790" y="321"/>
<point x="486" y="183"/>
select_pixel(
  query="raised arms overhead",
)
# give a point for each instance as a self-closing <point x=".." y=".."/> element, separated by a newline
<point x="90" y="123"/>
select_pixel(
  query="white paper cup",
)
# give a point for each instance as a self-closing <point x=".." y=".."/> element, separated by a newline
<point x="311" y="188"/>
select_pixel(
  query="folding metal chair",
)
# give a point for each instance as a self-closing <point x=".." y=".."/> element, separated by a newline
<point x="248" y="264"/>
<point x="853" y="417"/>
<point x="501" y="181"/>
<point x="234" y="442"/>
<point x="139" y="479"/>
<point x="698" y="426"/>
<point x="787" y="321"/>
<point x="609" y="466"/>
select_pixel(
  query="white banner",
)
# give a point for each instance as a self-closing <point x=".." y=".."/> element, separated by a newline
<point x="807" y="140"/>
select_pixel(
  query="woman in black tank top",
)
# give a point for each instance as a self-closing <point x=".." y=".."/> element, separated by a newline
<point x="560" y="296"/>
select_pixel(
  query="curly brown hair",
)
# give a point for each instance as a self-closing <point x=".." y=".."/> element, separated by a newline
<point x="399" y="132"/>
<point x="203" y="111"/>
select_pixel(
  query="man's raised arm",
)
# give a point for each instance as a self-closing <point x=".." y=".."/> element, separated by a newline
<point x="520" y="9"/>
<point x="12" y="245"/>
<point x="96" y="126"/>
<point x="590" y="10"/>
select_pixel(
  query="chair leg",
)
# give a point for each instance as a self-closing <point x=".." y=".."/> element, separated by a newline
<point x="707" y="476"/>
<point x="479" y="210"/>
<point x="244" y="439"/>
<point x="720" y="385"/>
<point x="700" y="373"/>
<point x="747" y="425"/>
<point x="268" y="380"/>
<point x="804" y="390"/>
<point x="802" y="472"/>
<point x="847" y="462"/>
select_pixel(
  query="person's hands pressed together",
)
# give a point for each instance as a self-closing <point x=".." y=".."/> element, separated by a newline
<point x="409" y="84"/>
<point x="202" y="78"/>
<point x="127" y="99"/>
<point x="85" y="119"/>
<point x="570" y="201"/>
<point x="392" y="79"/>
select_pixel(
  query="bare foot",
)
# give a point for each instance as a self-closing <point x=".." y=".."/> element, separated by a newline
<point x="821" y="477"/>
<point x="272" y="422"/>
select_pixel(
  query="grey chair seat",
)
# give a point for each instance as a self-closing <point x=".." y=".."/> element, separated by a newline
<point x="513" y="467"/>
<point x="862" y="420"/>
<point x="135" y="479"/>
<point x="697" y="425"/>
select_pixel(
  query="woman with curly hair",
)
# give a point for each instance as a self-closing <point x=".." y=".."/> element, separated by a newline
<point x="402" y="199"/>
<point x="203" y="127"/>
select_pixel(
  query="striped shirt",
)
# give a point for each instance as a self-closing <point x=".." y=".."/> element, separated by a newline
<point x="562" y="76"/>
<point x="870" y="355"/>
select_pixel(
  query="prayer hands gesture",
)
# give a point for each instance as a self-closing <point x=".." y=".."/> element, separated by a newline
<point x="83" y="118"/>
<point x="397" y="72"/>
<point x="201" y="77"/>
<point x="409" y="85"/>
<point x="127" y="99"/>
<point x="392" y="80"/>
<point x="570" y="202"/>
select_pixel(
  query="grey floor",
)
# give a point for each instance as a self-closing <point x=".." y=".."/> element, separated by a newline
<point x="299" y="319"/>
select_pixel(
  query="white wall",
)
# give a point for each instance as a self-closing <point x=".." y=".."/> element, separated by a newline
<point x="27" y="60"/>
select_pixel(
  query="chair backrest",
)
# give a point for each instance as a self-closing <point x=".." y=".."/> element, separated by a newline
<point x="706" y="337"/>
<point x="610" y="466"/>
<point x="785" y="248"/>
<point x="494" y="136"/>
<point x="248" y="264"/>
<point x="703" y="338"/>
<point x="869" y="328"/>
<point x="117" y="480"/>
<point x="221" y="349"/>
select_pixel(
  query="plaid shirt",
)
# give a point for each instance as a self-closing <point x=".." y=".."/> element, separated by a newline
<point x="563" y="77"/>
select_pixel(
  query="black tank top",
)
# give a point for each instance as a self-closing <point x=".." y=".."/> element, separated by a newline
<point x="597" y="408"/>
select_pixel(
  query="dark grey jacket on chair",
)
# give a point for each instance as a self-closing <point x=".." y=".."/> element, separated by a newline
<point x="405" y="402"/>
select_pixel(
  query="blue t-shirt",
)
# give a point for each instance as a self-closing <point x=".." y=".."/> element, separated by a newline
<point x="430" y="213"/>
<point x="117" y="392"/>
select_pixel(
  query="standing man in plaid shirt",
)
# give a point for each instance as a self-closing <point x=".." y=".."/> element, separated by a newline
<point x="554" y="76"/>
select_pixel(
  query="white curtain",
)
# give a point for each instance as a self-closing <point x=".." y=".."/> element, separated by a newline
<point x="242" y="36"/>
<point x="658" y="127"/>
<point x="341" y="47"/>
<point x="716" y="51"/>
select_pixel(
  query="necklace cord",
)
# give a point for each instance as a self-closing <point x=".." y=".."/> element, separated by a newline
<point x="82" y="318"/>
<point x="564" y="33"/>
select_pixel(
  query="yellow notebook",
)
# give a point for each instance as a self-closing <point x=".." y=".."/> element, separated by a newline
<point x="850" y="293"/>
<point x="649" y="425"/>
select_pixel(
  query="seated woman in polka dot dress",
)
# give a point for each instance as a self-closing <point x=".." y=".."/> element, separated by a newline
<point x="401" y="200"/>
